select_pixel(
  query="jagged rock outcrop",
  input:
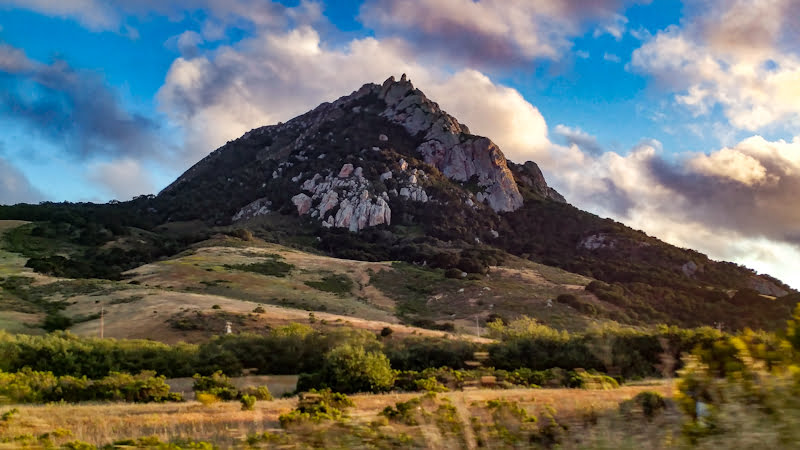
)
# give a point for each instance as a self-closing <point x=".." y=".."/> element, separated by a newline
<point x="530" y="176"/>
<point x="259" y="207"/>
<point x="343" y="201"/>
<point x="448" y="145"/>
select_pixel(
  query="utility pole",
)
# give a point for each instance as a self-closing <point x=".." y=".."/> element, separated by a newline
<point x="102" y="317"/>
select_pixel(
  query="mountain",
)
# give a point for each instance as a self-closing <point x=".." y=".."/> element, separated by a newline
<point x="385" y="174"/>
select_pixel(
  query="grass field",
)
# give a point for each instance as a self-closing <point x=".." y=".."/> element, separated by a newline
<point x="591" y="419"/>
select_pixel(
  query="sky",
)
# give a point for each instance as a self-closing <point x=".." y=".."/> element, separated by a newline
<point x="679" y="118"/>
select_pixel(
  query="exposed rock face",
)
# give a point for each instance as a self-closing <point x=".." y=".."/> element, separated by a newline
<point x="530" y="176"/>
<point x="358" y="208"/>
<point x="447" y="148"/>
<point x="259" y="207"/>
<point x="597" y="241"/>
<point x="347" y="169"/>
<point x="302" y="202"/>
<point x="766" y="287"/>
<point x="689" y="269"/>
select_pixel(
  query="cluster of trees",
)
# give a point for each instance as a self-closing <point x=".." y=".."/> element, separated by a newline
<point x="28" y="386"/>
<point x="350" y="360"/>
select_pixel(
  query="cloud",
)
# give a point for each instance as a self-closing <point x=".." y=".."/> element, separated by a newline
<point x="273" y="77"/>
<point x="734" y="54"/>
<point x="611" y="57"/>
<point x="734" y="203"/>
<point x="615" y="28"/>
<point x="124" y="178"/>
<point x="486" y="33"/>
<point x="749" y="188"/>
<point x="187" y="43"/>
<point x="112" y="15"/>
<point x="15" y="187"/>
<point x="70" y="107"/>
<point x="578" y="137"/>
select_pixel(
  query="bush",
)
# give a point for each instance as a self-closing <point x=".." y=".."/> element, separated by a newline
<point x="248" y="402"/>
<point x="260" y="393"/>
<point x="29" y="386"/>
<point x="56" y="321"/>
<point x="649" y="403"/>
<point x="350" y="369"/>
<point x="430" y="384"/>
<point x="206" y="399"/>
<point x="454" y="273"/>
<point x="317" y="406"/>
<point x="336" y="284"/>
<point x="216" y="384"/>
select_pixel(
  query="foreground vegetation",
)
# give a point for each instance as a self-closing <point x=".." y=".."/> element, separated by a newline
<point x="731" y="391"/>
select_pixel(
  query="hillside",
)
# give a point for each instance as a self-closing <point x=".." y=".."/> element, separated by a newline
<point x="384" y="174"/>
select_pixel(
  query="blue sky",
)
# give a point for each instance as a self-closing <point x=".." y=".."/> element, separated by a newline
<point x="676" y="117"/>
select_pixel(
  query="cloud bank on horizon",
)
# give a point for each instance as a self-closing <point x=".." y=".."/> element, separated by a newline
<point x="716" y="167"/>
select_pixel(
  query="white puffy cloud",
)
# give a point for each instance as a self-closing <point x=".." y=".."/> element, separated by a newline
<point x="124" y="178"/>
<point x="496" y="111"/>
<point x="276" y="76"/>
<point x="734" y="55"/>
<point x="731" y="164"/>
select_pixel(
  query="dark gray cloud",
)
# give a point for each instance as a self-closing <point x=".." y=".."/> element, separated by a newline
<point x="575" y="136"/>
<point x="487" y="33"/>
<point x="15" y="187"/>
<point x="74" y="109"/>
<point x="767" y="208"/>
<point x="613" y="199"/>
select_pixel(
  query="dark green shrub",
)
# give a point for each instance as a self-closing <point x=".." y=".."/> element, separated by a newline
<point x="649" y="403"/>
<point x="349" y="368"/>
<point x="317" y="406"/>
<point x="454" y="273"/>
<point x="56" y="321"/>
<point x="216" y="384"/>
<point x="337" y="284"/>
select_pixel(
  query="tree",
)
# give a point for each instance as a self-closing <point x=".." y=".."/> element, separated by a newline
<point x="350" y="369"/>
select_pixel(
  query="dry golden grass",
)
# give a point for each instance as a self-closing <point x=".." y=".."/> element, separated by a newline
<point x="225" y="423"/>
<point x="148" y="317"/>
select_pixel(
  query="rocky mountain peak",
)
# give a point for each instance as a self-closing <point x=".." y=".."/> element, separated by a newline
<point x="449" y="146"/>
<point x="349" y="163"/>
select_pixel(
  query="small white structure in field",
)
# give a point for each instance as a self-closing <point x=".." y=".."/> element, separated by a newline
<point x="549" y="302"/>
<point x="228" y="328"/>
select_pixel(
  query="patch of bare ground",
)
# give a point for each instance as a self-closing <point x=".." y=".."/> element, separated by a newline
<point x="148" y="313"/>
<point x="209" y="270"/>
